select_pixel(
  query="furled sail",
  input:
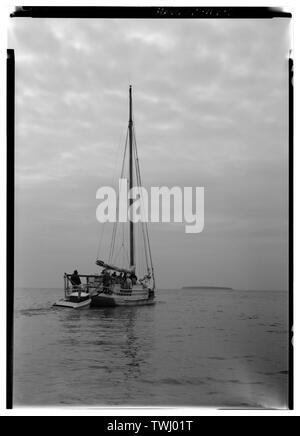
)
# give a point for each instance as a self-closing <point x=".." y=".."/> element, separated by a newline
<point x="112" y="267"/>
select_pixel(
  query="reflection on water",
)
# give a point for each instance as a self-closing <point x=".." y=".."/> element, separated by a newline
<point x="221" y="349"/>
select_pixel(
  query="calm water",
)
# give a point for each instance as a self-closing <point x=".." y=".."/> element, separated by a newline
<point x="193" y="348"/>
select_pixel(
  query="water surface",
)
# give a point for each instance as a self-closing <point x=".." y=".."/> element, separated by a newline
<point x="214" y="348"/>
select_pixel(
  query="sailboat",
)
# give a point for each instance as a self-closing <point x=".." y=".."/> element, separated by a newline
<point x="119" y="285"/>
<point x="78" y="296"/>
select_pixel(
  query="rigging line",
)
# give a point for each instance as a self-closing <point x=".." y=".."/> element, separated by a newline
<point x="146" y="227"/>
<point x="143" y="266"/>
<point x="122" y="248"/>
<point x="139" y="250"/>
<point x="146" y="248"/>
<point x="124" y="154"/>
<point x="100" y="241"/>
<point x="140" y="184"/>
<point x="138" y="247"/>
<point x="144" y="236"/>
<point x="137" y="169"/>
<point x="127" y="257"/>
<point x="113" y="240"/>
<point x="123" y="245"/>
<point x="141" y="197"/>
<point x="119" y="252"/>
<point x="112" y="179"/>
<point x="112" y="246"/>
<point x="116" y="253"/>
<point x="116" y="156"/>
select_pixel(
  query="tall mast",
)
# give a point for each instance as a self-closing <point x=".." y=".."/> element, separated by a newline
<point x="131" y="230"/>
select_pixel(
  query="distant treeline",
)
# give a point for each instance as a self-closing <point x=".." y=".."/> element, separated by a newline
<point x="207" y="287"/>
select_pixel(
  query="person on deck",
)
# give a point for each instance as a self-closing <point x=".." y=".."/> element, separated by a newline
<point x="133" y="278"/>
<point x="114" y="277"/>
<point x="122" y="279"/>
<point x="128" y="282"/>
<point x="75" y="279"/>
<point x="106" y="279"/>
<point x="76" y="282"/>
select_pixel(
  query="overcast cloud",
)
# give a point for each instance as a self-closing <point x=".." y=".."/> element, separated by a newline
<point x="210" y="108"/>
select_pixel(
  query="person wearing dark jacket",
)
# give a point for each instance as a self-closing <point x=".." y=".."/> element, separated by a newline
<point x="76" y="282"/>
<point x="75" y="279"/>
<point x="133" y="278"/>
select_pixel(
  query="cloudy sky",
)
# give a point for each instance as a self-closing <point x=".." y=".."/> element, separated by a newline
<point x="211" y="109"/>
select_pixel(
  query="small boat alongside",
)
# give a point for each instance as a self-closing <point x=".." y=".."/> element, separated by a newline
<point x="74" y="300"/>
<point x="78" y="296"/>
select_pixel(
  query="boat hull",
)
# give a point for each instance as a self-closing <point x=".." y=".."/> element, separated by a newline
<point x="72" y="304"/>
<point x="114" y="300"/>
<point x="75" y="300"/>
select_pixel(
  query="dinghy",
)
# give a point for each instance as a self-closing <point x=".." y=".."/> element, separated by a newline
<point x="78" y="296"/>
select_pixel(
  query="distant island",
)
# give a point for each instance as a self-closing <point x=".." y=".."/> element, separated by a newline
<point x="208" y="287"/>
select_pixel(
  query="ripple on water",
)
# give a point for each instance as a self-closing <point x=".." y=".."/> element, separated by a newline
<point x="172" y="353"/>
<point x="175" y="381"/>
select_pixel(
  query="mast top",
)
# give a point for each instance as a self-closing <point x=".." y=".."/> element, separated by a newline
<point x="130" y="105"/>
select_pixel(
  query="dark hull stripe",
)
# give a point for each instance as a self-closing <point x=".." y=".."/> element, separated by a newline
<point x="104" y="301"/>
